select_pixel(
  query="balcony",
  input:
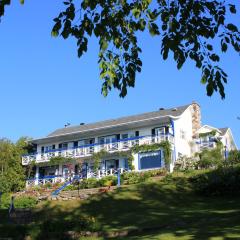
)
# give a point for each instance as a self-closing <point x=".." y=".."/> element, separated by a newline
<point x="206" y="144"/>
<point x="88" y="150"/>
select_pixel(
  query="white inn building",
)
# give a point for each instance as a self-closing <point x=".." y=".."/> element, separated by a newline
<point x="180" y="126"/>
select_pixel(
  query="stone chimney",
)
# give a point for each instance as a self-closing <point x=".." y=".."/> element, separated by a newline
<point x="196" y="117"/>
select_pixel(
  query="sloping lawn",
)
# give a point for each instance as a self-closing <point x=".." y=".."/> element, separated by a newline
<point x="153" y="210"/>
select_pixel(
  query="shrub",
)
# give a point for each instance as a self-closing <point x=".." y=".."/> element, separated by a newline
<point x="5" y="201"/>
<point x="157" y="172"/>
<point x="211" y="158"/>
<point x="19" y="202"/>
<point x="134" y="177"/>
<point x="71" y="187"/>
<point x="186" y="163"/>
<point x="234" y="157"/>
<point x="108" y="181"/>
<point x="126" y="178"/>
<point x="221" y="181"/>
<point x="11" y="181"/>
<point x="25" y="202"/>
<point x="47" y="185"/>
<point x="89" y="183"/>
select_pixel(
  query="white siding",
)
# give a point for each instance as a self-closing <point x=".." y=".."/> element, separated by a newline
<point x="183" y="124"/>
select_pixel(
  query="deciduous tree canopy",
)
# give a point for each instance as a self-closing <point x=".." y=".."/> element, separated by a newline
<point x="12" y="174"/>
<point x="185" y="28"/>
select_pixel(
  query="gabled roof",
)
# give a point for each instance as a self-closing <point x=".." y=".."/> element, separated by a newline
<point x="223" y="130"/>
<point x="210" y="128"/>
<point x="108" y="127"/>
<point x="164" y="114"/>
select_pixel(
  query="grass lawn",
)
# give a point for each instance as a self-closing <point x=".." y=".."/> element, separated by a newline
<point x="153" y="210"/>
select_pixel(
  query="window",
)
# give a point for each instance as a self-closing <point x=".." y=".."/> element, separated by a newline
<point x="63" y="145"/>
<point x="107" y="139"/>
<point x="124" y="136"/>
<point x="49" y="148"/>
<point x="159" y="131"/>
<point x="150" y="160"/>
<point x="75" y="144"/>
<point x="182" y="134"/>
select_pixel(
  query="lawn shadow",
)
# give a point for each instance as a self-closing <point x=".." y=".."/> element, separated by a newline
<point x="142" y="210"/>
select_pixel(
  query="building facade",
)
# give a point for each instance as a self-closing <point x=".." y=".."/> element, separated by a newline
<point x="180" y="127"/>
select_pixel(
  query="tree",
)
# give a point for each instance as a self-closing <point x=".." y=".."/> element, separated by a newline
<point x="234" y="157"/>
<point x="211" y="157"/>
<point x="186" y="29"/>
<point x="12" y="175"/>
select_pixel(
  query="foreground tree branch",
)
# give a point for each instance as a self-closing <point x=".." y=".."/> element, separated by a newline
<point x="185" y="28"/>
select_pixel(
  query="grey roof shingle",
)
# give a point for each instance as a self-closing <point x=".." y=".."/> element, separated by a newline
<point x="223" y="130"/>
<point x="120" y="121"/>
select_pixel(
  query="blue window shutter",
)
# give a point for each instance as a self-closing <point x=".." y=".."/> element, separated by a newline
<point x="153" y="131"/>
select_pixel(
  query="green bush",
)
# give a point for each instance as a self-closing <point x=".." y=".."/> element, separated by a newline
<point x="71" y="187"/>
<point x="221" y="181"/>
<point x="134" y="177"/>
<point x="186" y="163"/>
<point x="126" y="178"/>
<point x="139" y="177"/>
<point x="25" y="202"/>
<point x="210" y="158"/>
<point x="108" y="181"/>
<point x="233" y="157"/>
<point x="19" y="202"/>
<point x="89" y="183"/>
<point x="11" y="181"/>
<point x="156" y="172"/>
<point x="5" y="201"/>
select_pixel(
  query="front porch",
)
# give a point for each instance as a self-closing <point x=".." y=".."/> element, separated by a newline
<point x="66" y="172"/>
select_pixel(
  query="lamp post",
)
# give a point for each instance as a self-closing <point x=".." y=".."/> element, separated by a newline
<point x="225" y="152"/>
<point x="0" y="198"/>
<point x="118" y="177"/>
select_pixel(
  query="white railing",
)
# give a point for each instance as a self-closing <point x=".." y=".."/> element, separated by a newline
<point x="207" y="144"/>
<point x="105" y="172"/>
<point x="88" y="150"/>
<point x="59" y="179"/>
<point x="42" y="181"/>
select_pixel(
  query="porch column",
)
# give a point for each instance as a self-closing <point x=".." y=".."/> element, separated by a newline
<point x="36" y="175"/>
<point x="60" y="171"/>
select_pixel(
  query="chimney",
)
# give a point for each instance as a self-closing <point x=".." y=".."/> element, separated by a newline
<point x="196" y="117"/>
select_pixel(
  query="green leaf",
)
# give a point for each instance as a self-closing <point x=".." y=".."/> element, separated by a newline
<point x="209" y="89"/>
<point x="209" y="47"/>
<point x="232" y="8"/>
<point x="54" y="33"/>
<point x="224" y="47"/>
<point x="232" y="27"/>
<point x="203" y="80"/>
<point x="136" y="12"/>
<point x="103" y="44"/>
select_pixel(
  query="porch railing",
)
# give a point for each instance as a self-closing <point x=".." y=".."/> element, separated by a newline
<point x="61" y="179"/>
<point x="88" y="150"/>
<point x="206" y="144"/>
<point x="44" y="180"/>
